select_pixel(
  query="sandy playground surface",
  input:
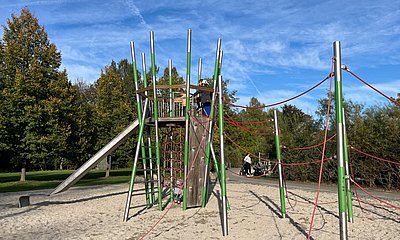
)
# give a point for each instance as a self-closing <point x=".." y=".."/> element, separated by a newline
<point x="97" y="213"/>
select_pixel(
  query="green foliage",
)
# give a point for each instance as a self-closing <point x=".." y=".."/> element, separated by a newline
<point x="257" y="138"/>
<point x="113" y="107"/>
<point x="298" y="129"/>
<point x="378" y="134"/>
<point x="35" y="94"/>
<point x="45" y="121"/>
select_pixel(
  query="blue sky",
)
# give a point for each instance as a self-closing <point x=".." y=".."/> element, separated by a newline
<point x="272" y="49"/>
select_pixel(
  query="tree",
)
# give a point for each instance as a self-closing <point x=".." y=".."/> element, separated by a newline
<point x="298" y="129"/>
<point x="37" y="103"/>
<point x="256" y="138"/>
<point x="113" y="108"/>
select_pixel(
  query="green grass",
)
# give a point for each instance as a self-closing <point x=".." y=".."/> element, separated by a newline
<point x="9" y="182"/>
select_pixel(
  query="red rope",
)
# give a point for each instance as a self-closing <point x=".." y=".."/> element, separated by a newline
<point x="353" y="176"/>
<point x="372" y="156"/>
<point x="245" y="123"/>
<point x="322" y="158"/>
<point x="284" y="101"/>
<point x="230" y="119"/>
<point x="247" y="151"/>
<point x="373" y="204"/>
<point x="375" y="197"/>
<point x="369" y="85"/>
<point x="305" y="163"/>
<point x="246" y="129"/>
<point x="309" y="147"/>
<point x="266" y="159"/>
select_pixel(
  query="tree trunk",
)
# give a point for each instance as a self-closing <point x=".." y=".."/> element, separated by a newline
<point x="23" y="175"/>
<point x="108" y="166"/>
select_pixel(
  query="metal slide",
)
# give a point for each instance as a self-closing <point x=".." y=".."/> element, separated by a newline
<point x="106" y="150"/>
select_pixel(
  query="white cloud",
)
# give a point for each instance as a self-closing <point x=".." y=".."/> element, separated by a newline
<point x="267" y="44"/>
<point x="84" y="72"/>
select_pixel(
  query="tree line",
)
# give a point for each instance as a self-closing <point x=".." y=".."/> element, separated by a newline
<point x="47" y="122"/>
<point x="374" y="130"/>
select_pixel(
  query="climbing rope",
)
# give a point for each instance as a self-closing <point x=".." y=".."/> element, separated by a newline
<point x="369" y="85"/>
<point x="284" y="101"/>
<point x="323" y="156"/>
<point x="373" y="196"/>
<point x="247" y="129"/>
<point x="375" y="157"/>
<point x="309" y="147"/>
<point x="247" y="123"/>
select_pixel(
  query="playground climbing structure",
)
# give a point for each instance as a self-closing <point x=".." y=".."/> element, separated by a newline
<point x="174" y="141"/>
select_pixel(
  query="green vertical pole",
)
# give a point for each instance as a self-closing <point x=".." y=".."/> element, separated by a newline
<point x="186" y="147"/>
<point x="347" y="172"/>
<point x="222" y="154"/>
<point x="204" y="194"/>
<point x="171" y="97"/>
<point x="151" y="171"/>
<point x="139" y="114"/>
<point x="155" y="109"/>
<point x="215" y="160"/>
<point x="278" y="157"/>
<point x="339" y="140"/>
<point x="133" y="176"/>
<point x="144" y="78"/>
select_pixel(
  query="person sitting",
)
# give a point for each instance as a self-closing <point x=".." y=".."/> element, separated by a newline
<point x="178" y="191"/>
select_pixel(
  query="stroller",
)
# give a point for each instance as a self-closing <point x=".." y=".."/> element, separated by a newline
<point x="260" y="168"/>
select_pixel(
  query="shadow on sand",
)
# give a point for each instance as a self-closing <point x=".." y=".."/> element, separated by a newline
<point x="274" y="208"/>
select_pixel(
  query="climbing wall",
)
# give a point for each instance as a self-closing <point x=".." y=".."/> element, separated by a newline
<point x="197" y="145"/>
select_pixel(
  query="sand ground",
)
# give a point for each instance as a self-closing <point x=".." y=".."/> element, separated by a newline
<point x="97" y="213"/>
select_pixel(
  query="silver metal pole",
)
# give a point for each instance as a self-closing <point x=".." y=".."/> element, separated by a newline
<point x="221" y="55"/>
<point x="339" y="141"/>
<point x="129" y="198"/>
<point x="222" y="169"/>
<point x="188" y="108"/>
<point x="151" y="172"/>
<point x="171" y="101"/>
<point x="144" y="71"/>
<point x="153" y="65"/>
<point x="199" y="70"/>
<point x="210" y="128"/>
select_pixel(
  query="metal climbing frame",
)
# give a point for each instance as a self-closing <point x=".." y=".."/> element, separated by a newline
<point x="185" y="153"/>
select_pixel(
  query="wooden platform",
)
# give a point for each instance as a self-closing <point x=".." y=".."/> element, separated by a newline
<point x="167" y="121"/>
